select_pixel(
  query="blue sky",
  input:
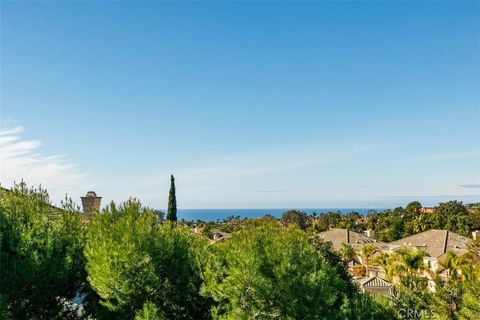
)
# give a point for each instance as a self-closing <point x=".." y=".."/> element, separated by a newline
<point x="276" y="104"/>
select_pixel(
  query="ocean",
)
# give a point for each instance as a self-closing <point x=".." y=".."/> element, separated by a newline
<point x="220" y="214"/>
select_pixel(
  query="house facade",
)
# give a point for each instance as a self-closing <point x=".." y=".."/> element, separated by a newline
<point x="435" y="243"/>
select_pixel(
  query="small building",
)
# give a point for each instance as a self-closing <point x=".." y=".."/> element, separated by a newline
<point x="218" y="235"/>
<point x="375" y="286"/>
<point x="427" y="210"/>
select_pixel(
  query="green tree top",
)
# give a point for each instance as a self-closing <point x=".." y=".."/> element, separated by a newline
<point x="266" y="271"/>
<point x="414" y="208"/>
<point x="295" y="217"/>
<point x="144" y="269"/>
<point x="452" y="216"/>
<point x="41" y="257"/>
<point x="172" y="201"/>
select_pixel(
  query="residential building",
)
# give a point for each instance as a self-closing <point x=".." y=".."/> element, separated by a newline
<point x="375" y="286"/>
<point x="436" y="244"/>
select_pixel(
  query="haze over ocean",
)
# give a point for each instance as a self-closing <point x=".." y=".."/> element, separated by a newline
<point x="220" y="214"/>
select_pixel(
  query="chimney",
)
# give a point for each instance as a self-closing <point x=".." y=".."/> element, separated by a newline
<point x="91" y="203"/>
<point x="370" y="233"/>
<point x="476" y="235"/>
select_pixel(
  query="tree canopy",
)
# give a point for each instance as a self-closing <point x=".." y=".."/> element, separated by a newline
<point x="268" y="272"/>
<point x="295" y="217"/>
<point x="133" y="260"/>
<point x="127" y="263"/>
<point x="41" y="261"/>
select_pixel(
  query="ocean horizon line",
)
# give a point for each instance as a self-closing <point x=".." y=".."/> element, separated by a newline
<point x="250" y="213"/>
<point x="278" y="208"/>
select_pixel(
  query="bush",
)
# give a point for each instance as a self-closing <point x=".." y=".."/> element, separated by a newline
<point x="267" y="271"/>
<point x="42" y="263"/>
<point x="132" y="260"/>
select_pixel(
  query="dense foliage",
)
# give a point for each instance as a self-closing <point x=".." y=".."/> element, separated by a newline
<point x="127" y="263"/>
<point x="132" y="260"/>
<point x="391" y="225"/>
<point x="452" y="216"/>
<point x="270" y="272"/>
<point x="455" y="297"/>
<point x="41" y="260"/>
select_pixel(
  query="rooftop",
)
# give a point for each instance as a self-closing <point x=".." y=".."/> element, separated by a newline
<point x="375" y="282"/>
<point x="435" y="242"/>
<point x="355" y="239"/>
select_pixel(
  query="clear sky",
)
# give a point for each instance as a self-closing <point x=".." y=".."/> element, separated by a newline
<point x="277" y="104"/>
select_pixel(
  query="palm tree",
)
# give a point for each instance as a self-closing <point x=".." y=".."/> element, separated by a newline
<point x="367" y="252"/>
<point x="382" y="260"/>
<point x="347" y="252"/>
<point x="404" y="262"/>
<point x="452" y="263"/>
<point x="420" y="223"/>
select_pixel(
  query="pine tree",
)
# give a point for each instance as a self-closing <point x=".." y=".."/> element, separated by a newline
<point x="172" y="201"/>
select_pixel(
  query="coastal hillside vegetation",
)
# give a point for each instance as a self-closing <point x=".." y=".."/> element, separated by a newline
<point x="128" y="263"/>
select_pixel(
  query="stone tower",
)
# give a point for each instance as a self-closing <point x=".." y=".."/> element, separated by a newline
<point x="91" y="202"/>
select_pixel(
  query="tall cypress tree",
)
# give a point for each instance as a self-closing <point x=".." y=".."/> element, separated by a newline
<point x="172" y="201"/>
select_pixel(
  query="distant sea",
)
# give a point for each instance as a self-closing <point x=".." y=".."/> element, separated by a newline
<point x="220" y="214"/>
